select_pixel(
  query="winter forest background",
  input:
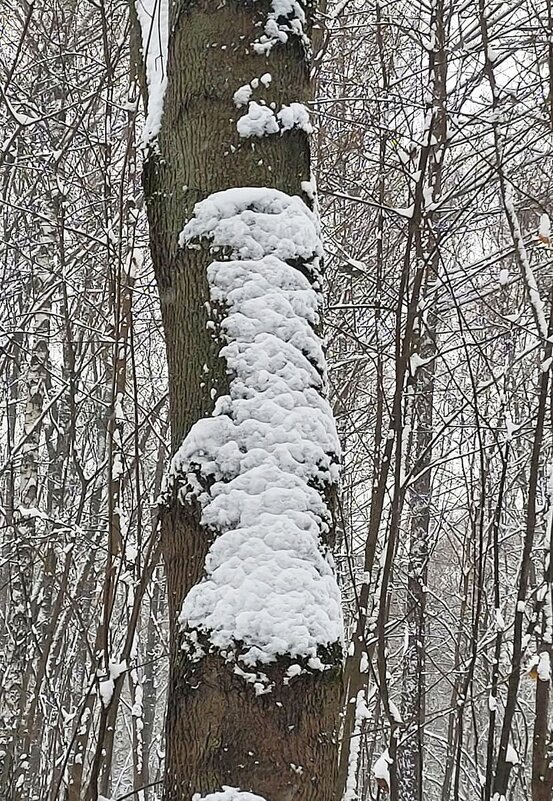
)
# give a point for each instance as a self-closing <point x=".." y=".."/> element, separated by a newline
<point x="438" y="299"/>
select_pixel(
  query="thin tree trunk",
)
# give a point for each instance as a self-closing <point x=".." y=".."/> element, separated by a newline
<point x="37" y="386"/>
<point x="411" y="749"/>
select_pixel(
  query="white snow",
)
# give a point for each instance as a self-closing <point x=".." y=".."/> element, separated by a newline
<point x="296" y="115"/>
<point x="31" y="512"/>
<point x="509" y="425"/>
<point x="381" y="768"/>
<point x="131" y="552"/>
<point x="153" y="16"/>
<point x="106" y="688"/>
<point x="532" y="664"/>
<point x="350" y="791"/>
<point x="117" y="669"/>
<point x="286" y="18"/>
<point x="415" y="362"/>
<point x="261" y="120"/>
<point x="106" y="685"/>
<point x="310" y="188"/>
<point x="428" y="197"/>
<point x="137" y="708"/>
<point x="528" y="275"/>
<point x="228" y="794"/>
<point x="254" y="222"/>
<point x="242" y="95"/>
<point x="511" y="755"/>
<point x="258" y="465"/>
<point x="259" y="681"/>
<point x="394" y="712"/>
<point x="117" y="467"/>
<point x="544" y="666"/>
<point x="503" y="277"/>
<point x="544" y="230"/>
<point x="405" y="212"/>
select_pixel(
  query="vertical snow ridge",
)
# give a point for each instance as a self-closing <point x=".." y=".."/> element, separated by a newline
<point x="153" y="16"/>
<point x="259" y="466"/>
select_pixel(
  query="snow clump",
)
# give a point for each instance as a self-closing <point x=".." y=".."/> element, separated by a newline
<point x="228" y="794"/>
<point x="381" y="769"/>
<point x="259" y="466"/>
<point x="261" y="120"/>
<point x="286" y="18"/>
<point x="511" y="755"/>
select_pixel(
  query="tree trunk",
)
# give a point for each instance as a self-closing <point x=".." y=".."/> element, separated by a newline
<point x="411" y="751"/>
<point x="17" y="677"/>
<point x="542" y="772"/>
<point x="281" y="744"/>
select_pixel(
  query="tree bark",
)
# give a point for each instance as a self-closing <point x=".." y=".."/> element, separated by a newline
<point x="219" y="732"/>
<point x="411" y="750"/>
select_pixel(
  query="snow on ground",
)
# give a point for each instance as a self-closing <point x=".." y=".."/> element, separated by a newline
<point x="260" y="464"/>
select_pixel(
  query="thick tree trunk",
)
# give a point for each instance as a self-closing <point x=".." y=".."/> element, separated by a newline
<point x="219" y="731"/>
<point x="201" y="152"/>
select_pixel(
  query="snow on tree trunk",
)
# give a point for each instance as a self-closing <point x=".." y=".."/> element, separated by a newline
<point x="255" y="683"/>
<point x="410" y="751"/>
<point x="258" y="464"/>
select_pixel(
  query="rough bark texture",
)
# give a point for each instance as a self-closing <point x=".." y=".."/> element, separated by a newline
<point x="542" y="772"/>
<point x="200" y="153"/>
<point x="281" y="745"/>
